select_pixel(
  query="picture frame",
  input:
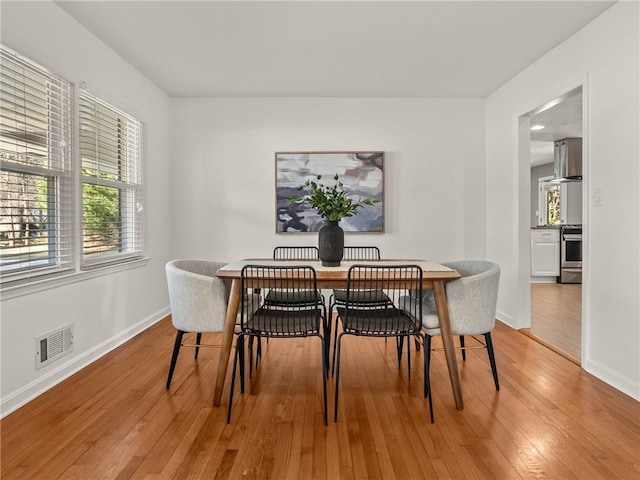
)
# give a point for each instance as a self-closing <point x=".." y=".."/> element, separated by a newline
<point x="360" y="172"/>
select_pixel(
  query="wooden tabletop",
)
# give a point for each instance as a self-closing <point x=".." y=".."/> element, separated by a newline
<point x="330" y="275"/>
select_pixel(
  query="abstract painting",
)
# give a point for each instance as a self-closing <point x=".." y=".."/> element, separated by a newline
<point x="362" y="174"/>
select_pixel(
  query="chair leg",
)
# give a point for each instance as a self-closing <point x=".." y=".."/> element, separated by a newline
<point x="240" y="351"/>
<point x="335" y="341"/>
<point x="326" y="335"/>
<point x="408" y="357"/>
<point x="198" y="338"/>
<point x="464" y="352"/>
<point x="337" y="361"/>
<point x="259" y="351"/>
<point x="492" y="359"/>
<point x="174" y="356"/>
<point x="233" y="379"/>
<point x="325" y="370"/>
<point x="250" y="346"/>
<point x="399" y="348"/>
<point x="427" y="361"/>
<point x="427" y="376"/>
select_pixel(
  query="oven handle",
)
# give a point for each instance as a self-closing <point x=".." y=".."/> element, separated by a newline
<point x="568" y="236"/>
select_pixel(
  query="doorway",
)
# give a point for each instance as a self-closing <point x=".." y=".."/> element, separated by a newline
<point x="556" y="308"/>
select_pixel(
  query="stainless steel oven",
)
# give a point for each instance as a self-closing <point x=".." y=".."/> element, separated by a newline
<point x="571" y="254"/>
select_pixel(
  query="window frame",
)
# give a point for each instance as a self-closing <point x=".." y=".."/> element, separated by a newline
<point x="131" y="188"/>
<point x="544" y="185"/>
<point x="44" y="278"/>
<point x="57" y="167"/>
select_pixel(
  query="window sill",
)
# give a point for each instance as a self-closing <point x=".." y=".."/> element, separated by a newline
<point x="78" y="276"/>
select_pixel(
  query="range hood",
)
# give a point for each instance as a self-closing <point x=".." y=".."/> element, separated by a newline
<point x="567" y="160"/>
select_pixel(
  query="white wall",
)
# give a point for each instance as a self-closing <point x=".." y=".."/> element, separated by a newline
<point x="605" y="57"/>
<point x="224" y="171"/>
<point x="108" y="309"/>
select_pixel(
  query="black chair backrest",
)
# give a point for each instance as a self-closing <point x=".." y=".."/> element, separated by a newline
<point x="295" y="253"/>
<point x="382" y="318"/>
<point x="284" y="318"/>
<point x="361" y="253"/>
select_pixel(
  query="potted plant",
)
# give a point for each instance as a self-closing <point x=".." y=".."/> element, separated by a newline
<point x="332" y="204"/>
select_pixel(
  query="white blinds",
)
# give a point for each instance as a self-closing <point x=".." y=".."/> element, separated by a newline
<point x="36" y="188"/>
<point x="112" y="183"/>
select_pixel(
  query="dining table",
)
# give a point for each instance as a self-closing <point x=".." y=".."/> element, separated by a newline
<point x="434" y="278"/>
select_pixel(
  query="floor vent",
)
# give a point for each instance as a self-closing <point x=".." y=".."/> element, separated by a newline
<point x="53" y="345"/>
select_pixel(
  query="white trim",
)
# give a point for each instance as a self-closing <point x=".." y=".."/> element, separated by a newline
<point x="506" y="319"/>
<point x="626" y="385"/>
<point x="523" y="197"/>
<point x="77" y="276"/>
<point x="22" y="396"/>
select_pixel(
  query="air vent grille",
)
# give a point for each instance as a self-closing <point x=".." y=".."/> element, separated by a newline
<point x="53" y="345"/>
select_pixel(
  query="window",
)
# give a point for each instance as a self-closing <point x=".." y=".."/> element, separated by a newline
<point x="59" y="215"/>
<point x="552" y="204"/>
<point x="559" y="203"/>
<point x="111" y="178"/>
<point x="36" y="188"/>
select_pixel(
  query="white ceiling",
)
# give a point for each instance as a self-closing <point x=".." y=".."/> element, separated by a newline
<point x="444" y="49"/>
<point x="562" y="120"/>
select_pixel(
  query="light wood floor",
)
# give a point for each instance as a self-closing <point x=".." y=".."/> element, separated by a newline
<point x="556" y="316"/>
<point x="115" y="420"/>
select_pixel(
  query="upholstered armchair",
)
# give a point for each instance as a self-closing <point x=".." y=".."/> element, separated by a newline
<point x="198" y="301"/>
<point x="472" y="301"/>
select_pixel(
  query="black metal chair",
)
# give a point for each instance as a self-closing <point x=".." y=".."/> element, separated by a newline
<point x="361" y="253"/>
<point x="281" y="320"/>
<point x="382" y="319"/>
<point x="295" y="253"/>
<point x="277" y="298"/>
<point x="339" y="296"/>
<point x="274" y="297"/>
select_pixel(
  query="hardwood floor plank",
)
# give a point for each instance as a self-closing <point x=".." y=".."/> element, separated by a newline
<point x="115" y="419"/>
<point x="556" y="316"/>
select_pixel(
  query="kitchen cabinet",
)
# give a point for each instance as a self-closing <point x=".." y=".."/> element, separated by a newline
<point x="545" y="252"/>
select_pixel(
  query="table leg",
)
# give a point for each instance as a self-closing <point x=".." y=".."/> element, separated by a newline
<point x="447" y="341"/>
<point x="227" y="340"/>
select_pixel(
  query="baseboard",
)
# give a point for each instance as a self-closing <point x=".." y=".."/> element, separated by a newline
<point x="504" y="318"/>
<point x="601" y="372"/>
<point x="619" y="382"/>
<point x="20" y="397"/>
<point x="544" y="280"/>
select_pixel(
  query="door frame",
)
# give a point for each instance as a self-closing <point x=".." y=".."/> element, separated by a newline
<point x="524" y="206"/>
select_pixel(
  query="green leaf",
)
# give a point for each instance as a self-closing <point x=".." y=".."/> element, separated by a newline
<point x="331" y="202"/>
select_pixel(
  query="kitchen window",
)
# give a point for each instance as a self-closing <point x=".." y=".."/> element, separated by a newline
<point x="559" y="203"/>
<point x="549" y="203"/>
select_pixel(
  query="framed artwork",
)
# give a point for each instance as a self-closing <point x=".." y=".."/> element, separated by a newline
<point x="362" y="175"/>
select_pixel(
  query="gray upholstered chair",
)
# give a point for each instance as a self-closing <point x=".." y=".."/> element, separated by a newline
<point x="198" y="301"/>
<point x="472" y="303"/>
